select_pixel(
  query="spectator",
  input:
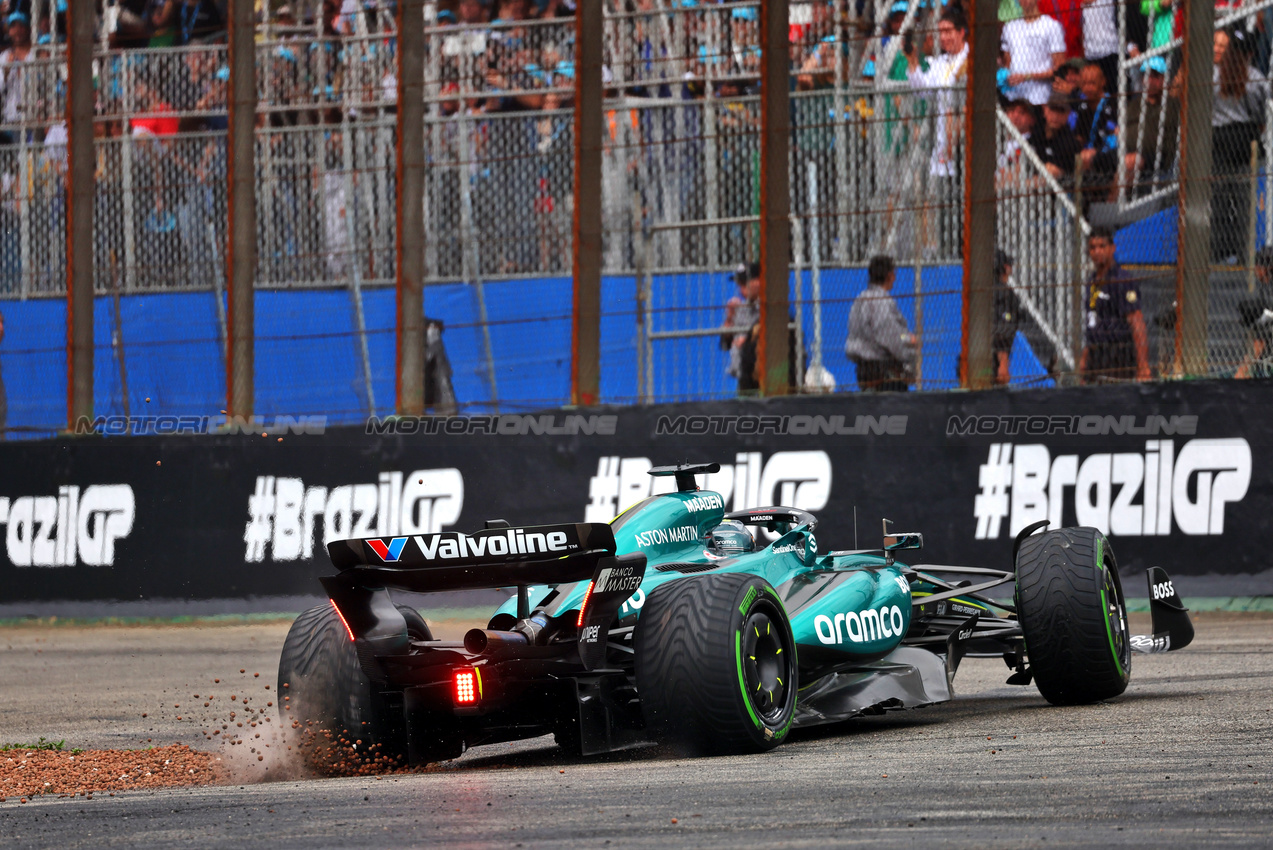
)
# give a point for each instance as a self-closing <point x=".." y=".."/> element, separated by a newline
<point x="553" y="186"/>
<point x="1065" y="80"/>
<point x="1256" y="315"/>
<point x="1069" y="14"/>
<point x="1161" y="20"/>
<point x="1055" y="142"/>
<point x="439" y="391"/>
<point x="879" y="342"/>
<point x="1021" y="115"/>
<point x="1035" y="45"/>
<point x="10" y="226"/>
<point x="11" y="60"/>
<point x="1089" y="101"/>
<point x="946" y="74"/>
<point x="741" y="312"/>
<point x="1153" y="128"/>
<point x="1096" y="127"/>
<point x="182" y="22"/>
<point x="1116" y="346"/>
<point x="749" y="365"/>
<point x="1237" y="121"/>
<point x="1100" y="37"/>
<point x="1007" y="317"/>
<point x="128" y="24"/>
<point x="155" y="115"/>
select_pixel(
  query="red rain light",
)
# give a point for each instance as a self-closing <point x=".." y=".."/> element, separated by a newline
<point x="343" y="621"/>
<point x="583" y="609"/>
<point x="465" y="687"/>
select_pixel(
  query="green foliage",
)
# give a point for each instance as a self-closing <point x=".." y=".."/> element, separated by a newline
<point x="55" y="746"/>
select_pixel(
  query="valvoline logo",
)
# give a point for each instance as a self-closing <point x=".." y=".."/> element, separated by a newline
<point x="388" y="553"/>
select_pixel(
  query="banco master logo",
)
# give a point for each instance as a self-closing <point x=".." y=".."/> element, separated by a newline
<point x="285" y="516"/>
<point x="1123" y="493"/>
<point x="70" y="528"/>
<point x="795" y="479"/>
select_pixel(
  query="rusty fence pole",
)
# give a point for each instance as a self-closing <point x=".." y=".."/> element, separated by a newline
<point x="775" y="198"/>
<point x="585" y="348"/>
<point x="241" y="214"/>
<point x="410" y="212"/>
<point x="80" y="189"/>
<point x="1193" y="241"/>
<point x="979" y="194"/>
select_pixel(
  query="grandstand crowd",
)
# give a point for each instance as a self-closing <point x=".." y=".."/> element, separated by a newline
<point x="329" y="62"/>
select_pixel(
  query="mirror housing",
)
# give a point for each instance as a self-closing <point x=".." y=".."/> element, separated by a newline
<point x="895" y="540"/>
<point x="903" y="540"/>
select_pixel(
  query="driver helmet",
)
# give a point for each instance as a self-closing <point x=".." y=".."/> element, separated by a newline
<point x="731" y="537"/>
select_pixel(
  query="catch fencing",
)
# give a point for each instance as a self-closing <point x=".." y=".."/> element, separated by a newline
<point x="876" y="166"/>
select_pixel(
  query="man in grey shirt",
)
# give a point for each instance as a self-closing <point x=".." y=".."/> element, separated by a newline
<point x="879" y="341"/>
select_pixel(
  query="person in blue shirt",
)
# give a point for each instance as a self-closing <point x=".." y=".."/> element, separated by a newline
<point x="1116" y="345"/>
<point x="1096" y="127"/>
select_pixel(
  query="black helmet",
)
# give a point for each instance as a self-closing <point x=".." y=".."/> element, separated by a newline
<point x="731" y="538"/>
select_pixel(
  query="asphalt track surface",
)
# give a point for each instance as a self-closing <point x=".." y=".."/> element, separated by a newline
<point x="1182" y="759"/>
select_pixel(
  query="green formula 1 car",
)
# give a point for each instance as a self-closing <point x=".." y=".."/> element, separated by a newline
<point x="683" y="625"/>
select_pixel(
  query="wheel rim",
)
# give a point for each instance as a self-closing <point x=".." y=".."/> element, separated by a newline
<point x="767" y="674"/>
<point x="1116" y="619"/>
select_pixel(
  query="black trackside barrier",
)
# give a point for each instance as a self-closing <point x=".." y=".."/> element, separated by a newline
<point x="1178" y="475"/>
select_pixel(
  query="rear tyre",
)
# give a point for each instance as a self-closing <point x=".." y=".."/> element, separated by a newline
<point x="417" y="628"/>
<point x="342" y="717"/>
<point x="716" y="664"/>
<point x="1070" y="602"/>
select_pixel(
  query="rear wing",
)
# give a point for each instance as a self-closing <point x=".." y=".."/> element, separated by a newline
<point x="495" y="557"/>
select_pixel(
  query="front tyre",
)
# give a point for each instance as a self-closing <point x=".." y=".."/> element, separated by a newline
<point x="1070" y="603"/>
<point x="716" y="664"/>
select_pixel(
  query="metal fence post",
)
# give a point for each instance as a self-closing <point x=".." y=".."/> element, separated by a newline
<point x="1076" y="293"/>
<point x="1251" y="215"/>
<point x="80" y="192"/>
<point x="585" y="367"/>
<point x="1193" y="246"/>
<point x="241" y="210"/>
<point x="979" y="195"/>
<point x="410" y="230"/>
<point x="775" y="197"/>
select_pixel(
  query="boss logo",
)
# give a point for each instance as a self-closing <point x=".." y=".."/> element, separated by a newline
<point x="1163" y="590"/>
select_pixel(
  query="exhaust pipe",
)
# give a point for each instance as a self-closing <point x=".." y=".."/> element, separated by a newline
<point x="478" y="641"/>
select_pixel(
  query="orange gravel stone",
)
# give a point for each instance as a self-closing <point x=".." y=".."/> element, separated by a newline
<point x="32" y="772"/>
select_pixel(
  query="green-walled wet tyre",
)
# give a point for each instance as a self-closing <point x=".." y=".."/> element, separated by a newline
<point x="1070" y="603"/>
<point x="716" y="665"/>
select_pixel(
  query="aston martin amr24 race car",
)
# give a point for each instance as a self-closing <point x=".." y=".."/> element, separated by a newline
<point x="680" y="624"/>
